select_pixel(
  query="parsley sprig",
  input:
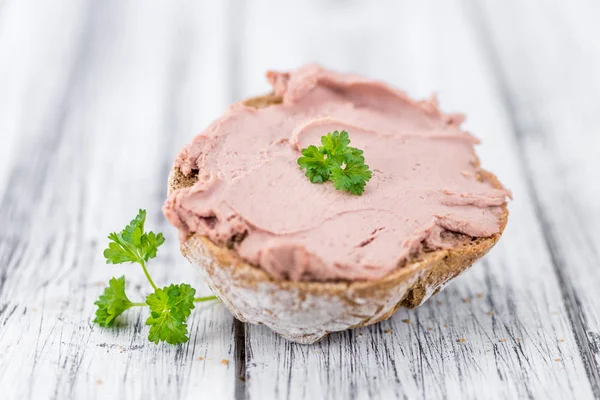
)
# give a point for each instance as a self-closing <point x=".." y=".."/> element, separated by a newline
<point x="169" y="306"/>
<point x="336" y="160"/>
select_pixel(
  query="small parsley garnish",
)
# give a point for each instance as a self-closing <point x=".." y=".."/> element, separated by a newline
<point x="336" y="160"/>
<point x="169" y="307"/>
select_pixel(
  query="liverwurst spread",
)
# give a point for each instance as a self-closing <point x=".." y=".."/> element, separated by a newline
<point x="252" y="197"/>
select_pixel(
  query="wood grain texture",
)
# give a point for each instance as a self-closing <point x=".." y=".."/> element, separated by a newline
<point x="96" y="98"/>
<point x="559" y="142"/>
<point x="106" y="93"/>
<point x="454" y="349"/>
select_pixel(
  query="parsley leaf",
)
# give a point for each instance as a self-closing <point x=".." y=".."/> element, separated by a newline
<point x="150" y="244"/>
<point x="112" y="303"/>
<point x="337" y="161"/>
<point x="335" y="145"/>
<point x="352" y="176"/>
<point x="169" y="309"/>
<point x="132" y="244"/>
<point x="315" y="163"/>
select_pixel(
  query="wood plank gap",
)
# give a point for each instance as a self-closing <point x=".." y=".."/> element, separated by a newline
<point x="239" y="332"/>
<point x="235" y="13"/>
<point x="571" y="299"/>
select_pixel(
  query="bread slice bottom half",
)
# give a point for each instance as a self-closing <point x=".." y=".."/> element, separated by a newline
<point x="305" y="312"/>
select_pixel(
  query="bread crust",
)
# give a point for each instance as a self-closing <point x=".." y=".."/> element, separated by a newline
<point x="305" y="312"/>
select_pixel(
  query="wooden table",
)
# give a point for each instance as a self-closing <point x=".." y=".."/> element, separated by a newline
<point x="97" y="97"/>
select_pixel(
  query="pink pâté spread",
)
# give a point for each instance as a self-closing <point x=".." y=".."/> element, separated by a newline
<point x="252" y="196"/>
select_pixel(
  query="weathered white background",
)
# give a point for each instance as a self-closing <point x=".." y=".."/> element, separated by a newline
<point x="96" y="97"/>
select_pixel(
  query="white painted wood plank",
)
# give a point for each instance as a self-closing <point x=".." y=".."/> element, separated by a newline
<point x="513" y="353"/>
<point x="555" y="95"/>
<point x="26" y="65"/>
<point x="102" y="97"/>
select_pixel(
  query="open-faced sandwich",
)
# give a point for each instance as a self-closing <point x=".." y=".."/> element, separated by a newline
<point x="330" y="202"/>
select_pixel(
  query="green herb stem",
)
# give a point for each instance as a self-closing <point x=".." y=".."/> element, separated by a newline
<point x="207" y="298"/>
<point x="143" y="264"/>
